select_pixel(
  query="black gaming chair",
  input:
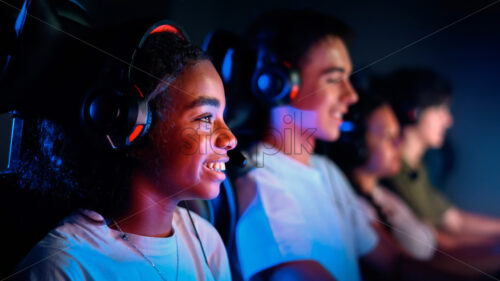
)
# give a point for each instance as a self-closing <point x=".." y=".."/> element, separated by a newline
<point x="34" y="46"/>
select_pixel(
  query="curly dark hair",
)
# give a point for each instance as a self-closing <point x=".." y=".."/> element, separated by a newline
<point x="349" y="151"/>
<point x="63" y="161"/>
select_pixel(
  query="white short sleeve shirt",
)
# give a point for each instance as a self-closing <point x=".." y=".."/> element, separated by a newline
<point x="302" y="212"/>
<point x="83" y="247"/>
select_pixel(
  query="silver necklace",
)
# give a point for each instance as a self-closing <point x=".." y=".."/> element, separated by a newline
<point x="125" y="237"/>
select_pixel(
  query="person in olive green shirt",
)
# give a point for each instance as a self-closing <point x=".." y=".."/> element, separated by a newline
<point x="420" y="98"/>
<point x="423" y="198"/>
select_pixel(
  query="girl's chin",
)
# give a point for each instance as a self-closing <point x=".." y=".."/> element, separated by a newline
<point x="206" y="191"/>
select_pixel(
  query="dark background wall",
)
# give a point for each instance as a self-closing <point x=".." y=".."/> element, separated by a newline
<point x="459" y="39"/>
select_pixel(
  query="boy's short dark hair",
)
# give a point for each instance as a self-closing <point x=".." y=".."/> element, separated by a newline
<point x="289" y="34"/>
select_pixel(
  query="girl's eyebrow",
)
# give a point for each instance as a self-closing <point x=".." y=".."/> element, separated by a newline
<point x="201" y="101"/>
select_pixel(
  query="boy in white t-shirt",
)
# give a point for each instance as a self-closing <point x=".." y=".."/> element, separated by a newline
<point x="299" y="216"/>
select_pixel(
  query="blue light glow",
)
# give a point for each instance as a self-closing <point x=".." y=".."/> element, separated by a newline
<point x="227" y="65"/>
<point x="21" y="18"/>
<point x="346" y="126"/>
<point x="264" y="82"/>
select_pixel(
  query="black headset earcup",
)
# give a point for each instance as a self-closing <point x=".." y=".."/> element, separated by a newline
<point x="103" y="110"/>
<point x="361" y="152"/>
<point x="270" y="85"/>
<point x="119" y="116"/>
<point x="352" y="143"/>
<point x="120" y="111"/>
<point x="275" y="84"/>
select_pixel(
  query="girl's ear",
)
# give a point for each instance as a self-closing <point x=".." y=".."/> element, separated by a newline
<point x="144" y="150"/>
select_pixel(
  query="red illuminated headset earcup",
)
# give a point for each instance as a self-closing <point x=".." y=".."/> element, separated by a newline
<point x="120" y="117"/>
<point x="295" y="84"/>
<point x="141" y="117"/>
<point x="143" y="120"/>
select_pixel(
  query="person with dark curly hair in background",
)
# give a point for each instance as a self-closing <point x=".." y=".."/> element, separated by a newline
<point x="127" y="225"/>
<point x="368" y="151"/>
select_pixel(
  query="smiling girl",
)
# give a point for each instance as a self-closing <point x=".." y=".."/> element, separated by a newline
<point x="128" y="225"/>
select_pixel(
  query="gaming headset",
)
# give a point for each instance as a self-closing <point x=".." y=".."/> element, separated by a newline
<point x="351" y="145"/>
<point x="121" y="111"/>
<point x="274" y="81"/>
<point x="352" y="140"/>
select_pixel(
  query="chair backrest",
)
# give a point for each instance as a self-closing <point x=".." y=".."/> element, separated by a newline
<point x="40" y="51"/>
<point x="34" y="48"/>
<point x="27" y="216"/>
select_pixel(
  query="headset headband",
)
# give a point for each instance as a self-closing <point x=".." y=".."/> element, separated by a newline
<point x="133" y="116"/>
<point x="159" y="27"/>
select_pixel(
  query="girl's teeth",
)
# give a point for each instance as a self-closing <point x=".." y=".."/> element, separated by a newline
<point x="217" y="166"/>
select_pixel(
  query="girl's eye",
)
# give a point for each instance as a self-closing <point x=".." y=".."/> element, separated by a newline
<point x="206" y="119"/>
